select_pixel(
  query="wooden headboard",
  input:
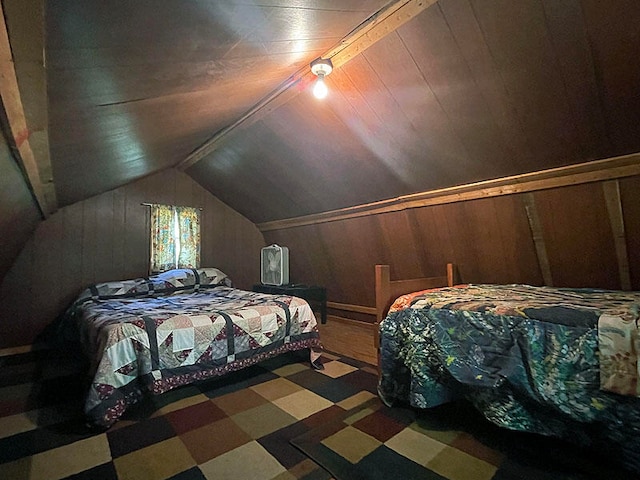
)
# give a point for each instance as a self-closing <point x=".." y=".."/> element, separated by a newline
<point x="388" y="290"/>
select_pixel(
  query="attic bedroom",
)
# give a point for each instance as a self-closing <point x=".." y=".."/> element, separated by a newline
<point x="457" y="288"/>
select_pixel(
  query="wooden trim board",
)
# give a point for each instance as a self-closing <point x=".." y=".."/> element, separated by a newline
<point x="595" y="171"/>
<point x="19" y="131"/>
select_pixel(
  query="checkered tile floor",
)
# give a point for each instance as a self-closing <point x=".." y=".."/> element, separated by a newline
<point x="238" y="426"/>
<point x="374" y="436"/>
<point x="248" y="424"/>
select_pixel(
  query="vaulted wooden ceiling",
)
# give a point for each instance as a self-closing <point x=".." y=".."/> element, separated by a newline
<point x="442" y="93"/>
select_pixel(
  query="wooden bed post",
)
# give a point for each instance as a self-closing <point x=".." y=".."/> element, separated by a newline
<point x="451" y="275"/>
<point x="382" y="297"/>
<point x="383" y="278"/>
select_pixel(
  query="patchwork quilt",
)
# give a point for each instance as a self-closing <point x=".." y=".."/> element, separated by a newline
<point x="535" y="359"/>
<point x="152" y="335"/>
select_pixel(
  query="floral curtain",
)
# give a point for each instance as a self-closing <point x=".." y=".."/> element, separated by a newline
<point x="189" y="231"/>
<point x="163" y="245"/>
<point x="175" y="237"/>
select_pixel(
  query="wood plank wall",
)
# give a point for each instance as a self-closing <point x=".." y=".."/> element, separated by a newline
<point x="106" y="238"/>
<point x="564" y="236"/>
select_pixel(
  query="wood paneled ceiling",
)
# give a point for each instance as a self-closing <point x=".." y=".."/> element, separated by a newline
<point x="465" y="91"/>
<point x="135" y="86"/>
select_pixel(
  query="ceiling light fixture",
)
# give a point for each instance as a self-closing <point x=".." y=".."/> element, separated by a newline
<point x="321" y="67"/>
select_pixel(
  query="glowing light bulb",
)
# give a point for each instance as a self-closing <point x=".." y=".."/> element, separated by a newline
<point x="320" y="89"/>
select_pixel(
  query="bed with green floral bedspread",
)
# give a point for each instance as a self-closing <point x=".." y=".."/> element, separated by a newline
<point x="529" y="358"/>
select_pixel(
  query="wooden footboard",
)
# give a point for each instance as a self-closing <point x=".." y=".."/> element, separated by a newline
<point x="388" y="290"/>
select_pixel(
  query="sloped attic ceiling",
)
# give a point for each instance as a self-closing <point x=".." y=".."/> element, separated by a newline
<point x="134" y="87"/>
<point x="466" y="90"/>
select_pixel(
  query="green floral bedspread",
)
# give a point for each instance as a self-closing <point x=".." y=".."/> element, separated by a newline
<point x="527" y="357"/>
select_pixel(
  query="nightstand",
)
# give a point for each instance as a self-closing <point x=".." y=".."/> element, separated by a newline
<point x="310" y="293"/>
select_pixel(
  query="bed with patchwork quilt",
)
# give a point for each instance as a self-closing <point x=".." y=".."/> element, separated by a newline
<point x="555" y="361"/>
<point x="150" y="335"/>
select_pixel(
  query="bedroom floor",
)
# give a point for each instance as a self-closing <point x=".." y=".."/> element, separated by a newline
<point x="209" y="431"/>
<point x="237" y="427"/>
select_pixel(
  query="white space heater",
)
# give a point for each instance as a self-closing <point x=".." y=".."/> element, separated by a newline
<point x="274" y="265"/>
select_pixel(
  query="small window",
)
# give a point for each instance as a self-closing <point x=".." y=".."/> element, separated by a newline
<point x="175" y="237"/>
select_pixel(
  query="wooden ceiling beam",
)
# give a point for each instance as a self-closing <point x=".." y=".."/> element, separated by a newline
<point x="376" y="27"/>
<point x="576" y="174"/>
<point x="18" y="136"/>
